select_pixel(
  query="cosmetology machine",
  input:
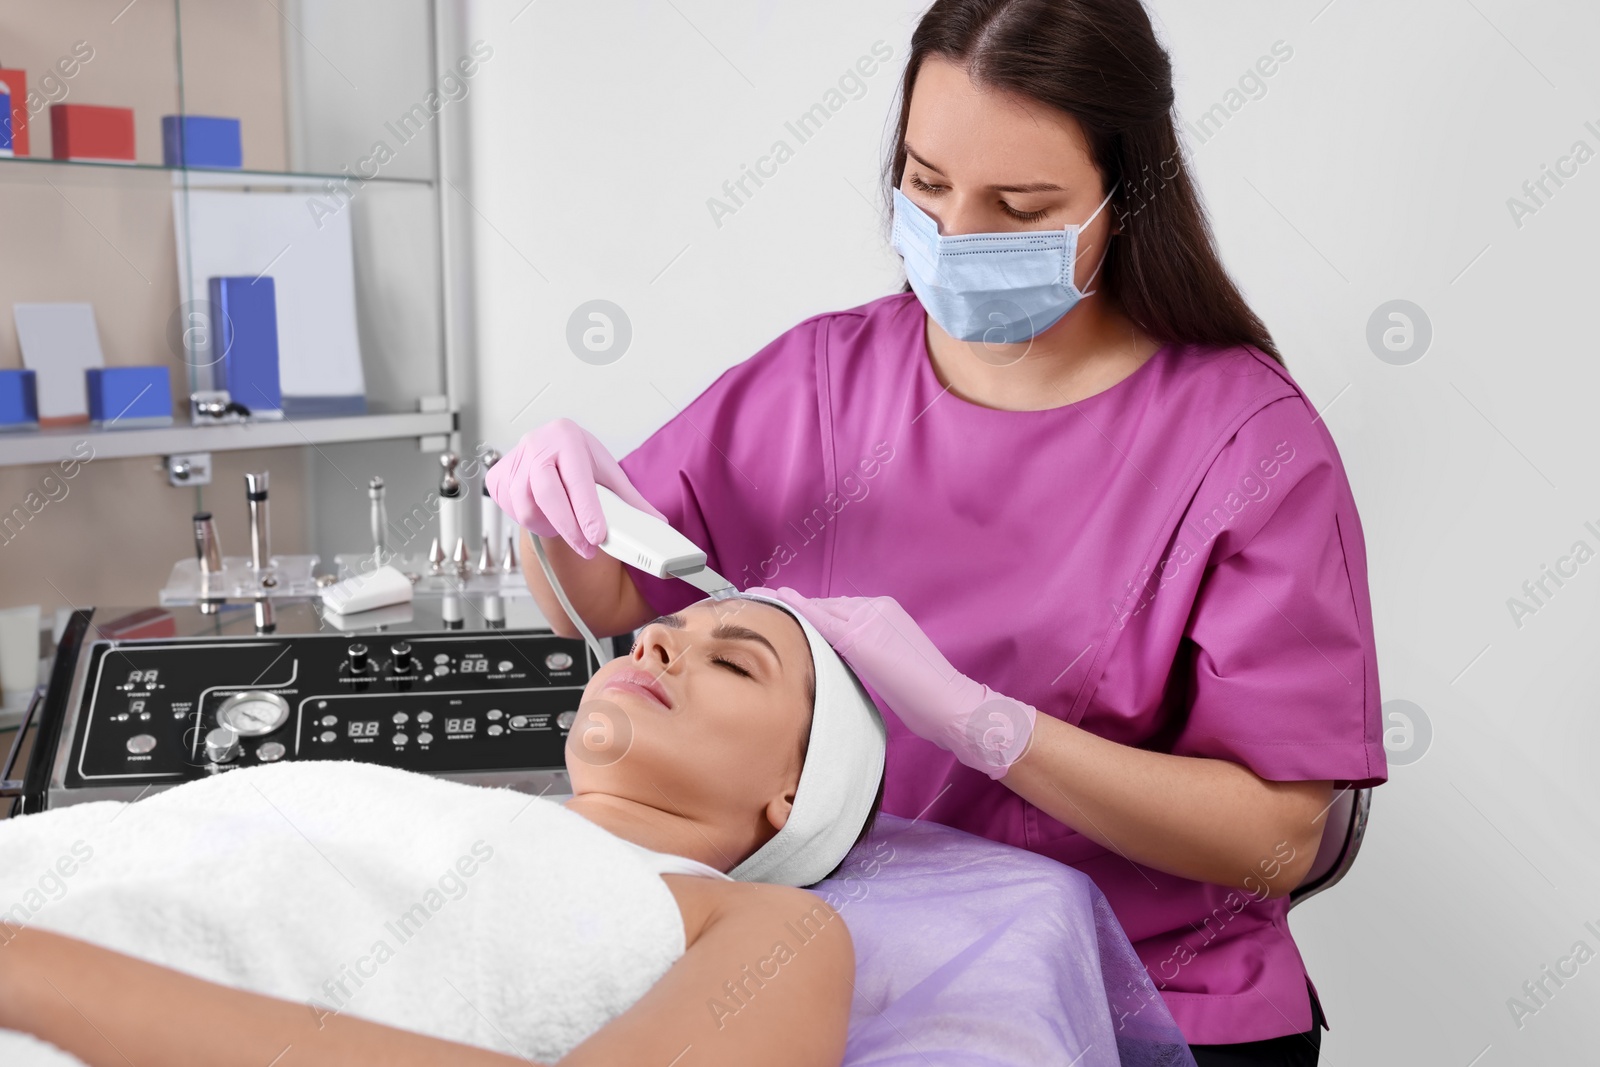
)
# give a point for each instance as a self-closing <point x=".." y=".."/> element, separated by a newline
<point x="242" y="665"/>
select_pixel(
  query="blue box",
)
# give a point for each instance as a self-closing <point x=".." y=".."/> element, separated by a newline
<point x="19" y="400"/>
<point x="122" y="398"/>
<point x="7" y="134"/>
<point x="200" y="141"/>
<point x="244" y="325"/>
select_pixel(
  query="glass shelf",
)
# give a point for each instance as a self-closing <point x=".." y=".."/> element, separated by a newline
<point x="210" y="175"/>
<point x="315" y="88"/>
<point x="53" y="445"/>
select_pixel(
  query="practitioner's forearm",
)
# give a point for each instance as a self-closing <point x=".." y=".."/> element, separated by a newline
<point x="1207" y="819"/>
<point x="600" y="589"/>
<point x="109" y="1010"/>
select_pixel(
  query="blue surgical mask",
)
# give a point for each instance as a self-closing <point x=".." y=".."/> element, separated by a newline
<point x="998" y="288"/>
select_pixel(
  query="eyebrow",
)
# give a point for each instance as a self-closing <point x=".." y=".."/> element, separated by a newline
<point x="1030" y="187"/>
<point x="725" y="632"/>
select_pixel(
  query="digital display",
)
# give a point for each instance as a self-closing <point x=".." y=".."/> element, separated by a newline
<point x="460" y="726"/>
<point x="468" y="666"/>
<point x="364" y="729"/>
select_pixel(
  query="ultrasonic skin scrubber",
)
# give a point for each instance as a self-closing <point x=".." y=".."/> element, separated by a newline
<point x="641" y="540"/>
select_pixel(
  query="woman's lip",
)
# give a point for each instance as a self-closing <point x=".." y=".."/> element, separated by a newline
<point x="644" y="690"/>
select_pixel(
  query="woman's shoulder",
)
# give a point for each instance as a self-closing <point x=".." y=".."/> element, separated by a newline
<point x="703" y="901"/>
<point x="1213" y="381"/>
<point x="1212" y="396"/>
<point x="845" y="326"/>
<point x="787" y="366"/>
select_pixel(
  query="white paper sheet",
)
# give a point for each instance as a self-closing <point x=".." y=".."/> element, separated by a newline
<point x="249" y="234"/>
<point x="59" y="342"/>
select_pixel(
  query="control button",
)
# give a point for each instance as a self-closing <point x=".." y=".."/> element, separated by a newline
<point x="400" y="718"/>
<point x="424" y="717"/>
<point x="556" y="661"/>
<point x="328" y="720"/>
<point x="328" y="736"/>
<point x="139" y="744"/>
<point x="358" y="658"/>
<point x="441" y="670"/>
<point x="270" y="752"/>
<point x="222" y="744"/>
<point x="494" y="713"/>
<point x="401" y="739"/>
<point x="401" y="651"/>
<point x="566" y="719"/>
<point x="322" y="704"/>
<point x="424" y="738"/>
<point x="441" y="657"/>
<point x="496" y="730"/>
<point x="518" y="721"/>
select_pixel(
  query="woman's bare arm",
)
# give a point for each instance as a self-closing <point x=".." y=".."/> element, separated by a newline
<point x="601" y="589"/>
<point x="110" y="1010"/>
<point x="766" y="978"/>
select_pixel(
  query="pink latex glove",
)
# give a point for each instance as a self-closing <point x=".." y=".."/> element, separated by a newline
<point x="889" y="652"/>
<point x="547" y="483"/>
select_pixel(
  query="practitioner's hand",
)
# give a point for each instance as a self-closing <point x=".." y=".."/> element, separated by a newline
<point x="890" y="653"/>
<point x="547" y="483"/>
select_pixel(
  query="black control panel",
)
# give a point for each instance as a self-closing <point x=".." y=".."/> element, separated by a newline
<point x="161" y="712"/>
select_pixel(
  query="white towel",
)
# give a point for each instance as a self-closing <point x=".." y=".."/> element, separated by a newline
<point x="483" y="916"/>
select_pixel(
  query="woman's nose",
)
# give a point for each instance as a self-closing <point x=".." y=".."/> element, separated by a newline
<point x="654" y="648"/>
<point x="959" y="215"/>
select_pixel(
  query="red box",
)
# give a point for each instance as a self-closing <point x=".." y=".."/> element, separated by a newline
<point x="17" y="82"/>
<point x="85" y="131"/>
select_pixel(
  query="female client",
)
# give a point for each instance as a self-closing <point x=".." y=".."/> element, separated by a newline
<point x="731" y="741"/>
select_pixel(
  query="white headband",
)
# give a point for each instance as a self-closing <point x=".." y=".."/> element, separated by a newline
<point x="844" y="763"/>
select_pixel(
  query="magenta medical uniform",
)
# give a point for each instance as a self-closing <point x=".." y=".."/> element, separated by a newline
<point x="1174" y="563"/>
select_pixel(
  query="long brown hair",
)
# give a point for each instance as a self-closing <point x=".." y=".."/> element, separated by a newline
<point x="1099" y="61"/>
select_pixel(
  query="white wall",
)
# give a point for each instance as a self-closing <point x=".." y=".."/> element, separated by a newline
<point x="1376" y="166"/>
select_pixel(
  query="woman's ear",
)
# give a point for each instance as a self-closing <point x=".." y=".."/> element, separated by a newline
<point x="778" y="809"/>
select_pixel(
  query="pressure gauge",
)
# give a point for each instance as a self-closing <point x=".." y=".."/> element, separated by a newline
<point x="253" y="713"/>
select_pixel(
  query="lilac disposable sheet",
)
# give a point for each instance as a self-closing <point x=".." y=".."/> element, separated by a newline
<point x="978" y="954"/>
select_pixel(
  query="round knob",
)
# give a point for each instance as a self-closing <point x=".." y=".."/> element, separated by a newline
<point x="358" y="658"/>
<point x="401" y="651"/>
<point x="222" y="744"/>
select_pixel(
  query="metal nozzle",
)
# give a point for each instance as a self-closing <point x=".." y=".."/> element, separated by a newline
<point x="709" y="581"/>
<point x="207" y="548"/>
<point x="486" y="557"/>
<point x="508" y="562"/>
<point x="260" y="534"/>
<point x="436" y="557"/>
<point x="461" y="558"/>
<point x="380" y="521"/>
<point x="450" y="484"/>
<point x="490" y="458"/>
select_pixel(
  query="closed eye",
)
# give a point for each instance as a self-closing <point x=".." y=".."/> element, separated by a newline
<point x="732" y="666"/>
<point x="916" y="182"/>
